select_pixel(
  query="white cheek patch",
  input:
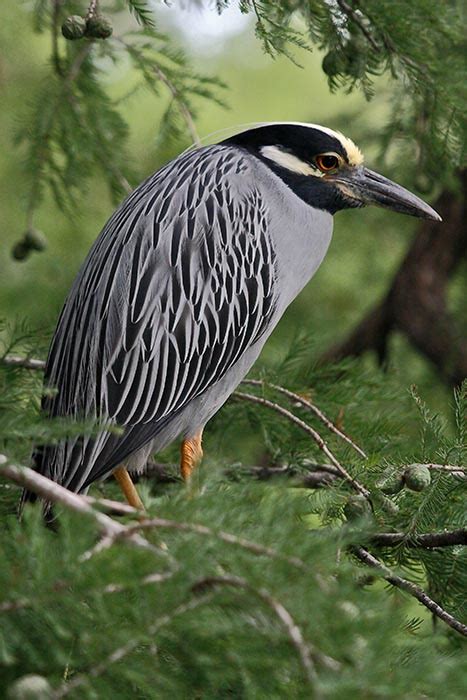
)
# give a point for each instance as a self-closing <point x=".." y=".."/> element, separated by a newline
<point x="354" y="154"/>
<point x="289" y="161"/>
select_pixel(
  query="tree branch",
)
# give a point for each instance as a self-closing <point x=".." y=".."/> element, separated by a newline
<point x="357" y="19"/>
<point x="53" y="492"/>
<point x="24" y="362"/>
<point x="410" y="588"/>
<point x="306" y="403"/>
<point x="425" y="541"/>
<point x="118" y="654"/>
<point x="163" y="523"/>
<point x="92" y="9"/>
<point x="316" y="437"/>
<point x="307" y="653"/>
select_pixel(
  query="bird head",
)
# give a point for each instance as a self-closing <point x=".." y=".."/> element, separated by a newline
<point x="325" y="168"/>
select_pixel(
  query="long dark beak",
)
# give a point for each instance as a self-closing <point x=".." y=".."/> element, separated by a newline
<point x="368" y="187"/>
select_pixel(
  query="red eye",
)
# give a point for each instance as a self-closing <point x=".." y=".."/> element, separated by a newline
<point x="327" y="162"/>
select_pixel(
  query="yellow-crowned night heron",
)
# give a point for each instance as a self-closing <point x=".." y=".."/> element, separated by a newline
<point x="184" y="285"/>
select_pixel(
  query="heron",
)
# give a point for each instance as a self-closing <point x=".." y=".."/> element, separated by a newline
<point x="184" y="285"/>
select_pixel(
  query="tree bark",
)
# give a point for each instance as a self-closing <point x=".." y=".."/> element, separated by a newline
<point x="415" y="304"/>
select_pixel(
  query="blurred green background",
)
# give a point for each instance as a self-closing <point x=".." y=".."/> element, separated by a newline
<point x="367" y="246"/>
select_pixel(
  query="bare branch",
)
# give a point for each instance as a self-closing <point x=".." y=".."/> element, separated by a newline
<point x="316" y="478"/>
<point x="25" y="362"/>
<point x="92" y="9"/>
<point x="53" y="492"/>
<point x="411" y="588"/>
<point x="448" y="538"/>
<point x="306" y="403"/>
<point x="113" y="507"/>
<point x="310" y="431"/>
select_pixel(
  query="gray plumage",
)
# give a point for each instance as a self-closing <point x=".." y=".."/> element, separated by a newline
<point x="173" y="305"/>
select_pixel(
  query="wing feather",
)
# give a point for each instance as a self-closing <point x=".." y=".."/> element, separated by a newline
<point x="176" y="288"/>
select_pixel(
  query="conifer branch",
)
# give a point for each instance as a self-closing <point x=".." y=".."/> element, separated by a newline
<point x="410" y="588"/>
<point x="114" y="169"/>
<point x="306" y="403"/>
<point x="182" y="105"/>
<point x="316" y="437"/>
<point x="52" y="492"/>
<point x="162" y="523"/>
<point x="67" y="79"/>
<point x="121" y="652"/>
<point x="22" y="603"/>
<point x="357" y="19"/>
<point x="174" y="91"/>
<point x="307" y="653"/>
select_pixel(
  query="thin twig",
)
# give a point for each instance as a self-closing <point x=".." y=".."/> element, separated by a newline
<point x="13" y="605"/>
<point x="92" y="9"/>
<point x="309" y="406"/>
<point x="77" y="63"/>
<point x="411" y="588"/>
<point x="55" y="29"/>
<point x="24" y="362"/>
<point x="447" y="468"/>
<point x="356" y="17"/>
<point x="149" y="580"/>
<point x="315" y="478"/>
<point x="119" y="176"/>
<point x="109" y="506"/>
<point x="185" y="112"/>
<point x="307" y="429"/>
<point x="182" y="106"/>
<point x="448" y="538"/>
<point x="163" y="523"/>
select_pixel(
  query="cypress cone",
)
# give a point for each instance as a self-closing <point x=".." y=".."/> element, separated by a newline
<point x="98" y="27"/>
<point x="74" y="27"/>
<point x="417" y="477"/>
<point x="357" y="506"/>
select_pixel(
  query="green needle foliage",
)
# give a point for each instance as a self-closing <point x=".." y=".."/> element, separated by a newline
<point x="420" y="45"/>
<point x="248" y="587"/>
<point x="75" y="127"/>
<point x="292" y="566"/>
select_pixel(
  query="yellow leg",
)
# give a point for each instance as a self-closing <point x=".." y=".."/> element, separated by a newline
<point x="128" y="488"/>
<point x="191" y="453"/>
